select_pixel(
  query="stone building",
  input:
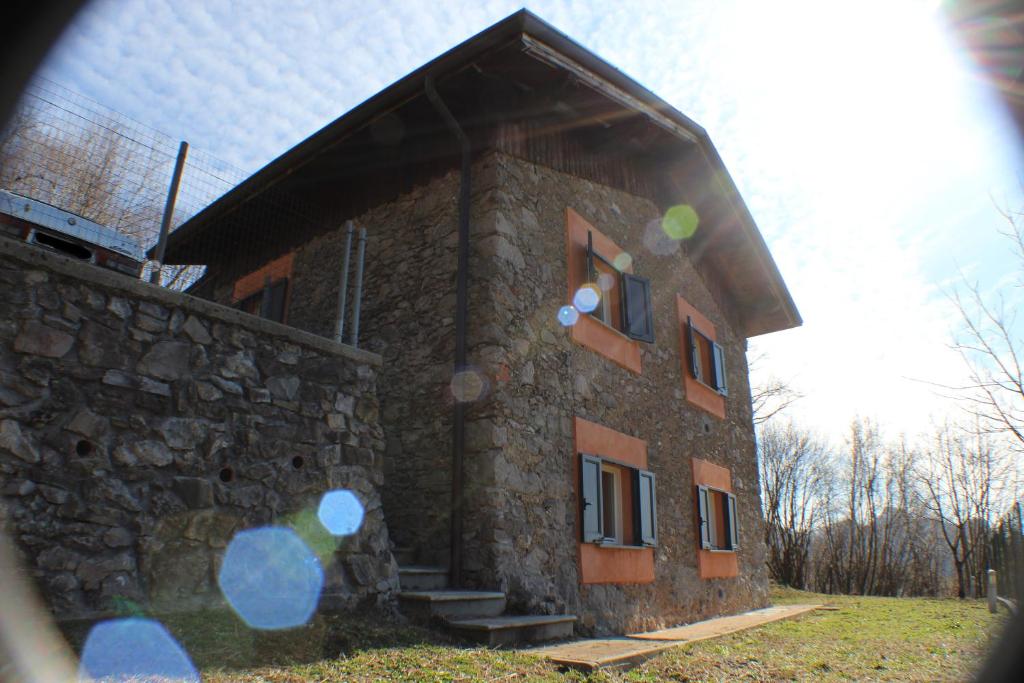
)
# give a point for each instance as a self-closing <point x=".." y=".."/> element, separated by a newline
<point x="596" y="461"/>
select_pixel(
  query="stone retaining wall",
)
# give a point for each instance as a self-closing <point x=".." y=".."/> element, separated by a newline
<point x="140" y="428"/>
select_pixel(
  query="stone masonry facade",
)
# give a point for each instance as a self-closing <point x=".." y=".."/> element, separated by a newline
<point x="520" y="527"/>
<point x="140" y="428"/>
<point x="522" y="536"/>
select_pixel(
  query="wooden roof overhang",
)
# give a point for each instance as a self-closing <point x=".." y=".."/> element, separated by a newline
<point x="525" y="88"/>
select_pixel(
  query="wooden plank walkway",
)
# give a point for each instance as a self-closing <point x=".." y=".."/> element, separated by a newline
<point x="627" y="651"/>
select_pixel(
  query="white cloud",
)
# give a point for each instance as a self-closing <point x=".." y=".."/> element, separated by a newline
<point x="865" y="162"/>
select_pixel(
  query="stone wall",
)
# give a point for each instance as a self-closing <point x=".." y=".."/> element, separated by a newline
<point x="140" y="428"/>
<point x="523" y="536"/>
<point x="408" y="315"/>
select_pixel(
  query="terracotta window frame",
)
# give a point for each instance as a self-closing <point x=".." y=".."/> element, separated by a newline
<point x="248" y="290"/>
<point x="713" y="563"/>
<point x="704" y="396"/>
<point x="589" y="331"/>
<point x="601" y="562"/>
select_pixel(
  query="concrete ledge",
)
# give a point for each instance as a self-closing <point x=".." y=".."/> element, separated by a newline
<point x="35" y="257"/>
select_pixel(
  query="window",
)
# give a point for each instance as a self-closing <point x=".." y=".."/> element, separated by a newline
<point x="624" y="299"/>
<point x="618" y="503"/>
<point x="269" y="302"/>
<point x="719" y="525"/>
<point x="611" y="498"/>
<point x="706" y="359"/>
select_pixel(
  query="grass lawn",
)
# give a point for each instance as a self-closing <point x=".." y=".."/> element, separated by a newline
<point x="904" y="639"/>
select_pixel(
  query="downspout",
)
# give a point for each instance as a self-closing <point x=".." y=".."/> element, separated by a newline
<point x="461" y="314"/>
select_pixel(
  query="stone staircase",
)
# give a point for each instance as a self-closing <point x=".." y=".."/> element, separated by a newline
<point x="476" y="616"/>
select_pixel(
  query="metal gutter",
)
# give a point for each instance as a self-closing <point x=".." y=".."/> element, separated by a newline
<point x="461" y="315"/>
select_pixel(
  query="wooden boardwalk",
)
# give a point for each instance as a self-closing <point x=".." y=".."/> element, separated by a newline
<point x="629" y="650"/>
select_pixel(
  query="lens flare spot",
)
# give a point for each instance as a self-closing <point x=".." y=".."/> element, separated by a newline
<point x="341" y="512"/>
<point x="623" y="262"/>
<point x="134" y="649"/>
<point x="657" y="242"/>
<point x="587" y="298"/>
<point x="680" y="222"/>
<point x="468" y="385"/>
<point x="605" y="281"/>
<point x="567" y="316"/>
<point x="271" y="578"/>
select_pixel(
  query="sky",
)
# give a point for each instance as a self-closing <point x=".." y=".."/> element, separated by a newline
<point x="872" y="160"/>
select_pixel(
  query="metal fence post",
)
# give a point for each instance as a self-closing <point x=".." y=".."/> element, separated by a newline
<point x="165" y="224"/>
<point x="339" y="330"/>
<point x="357" y="305"/>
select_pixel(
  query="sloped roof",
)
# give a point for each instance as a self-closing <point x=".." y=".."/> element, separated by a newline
<point x="525" y="51"/>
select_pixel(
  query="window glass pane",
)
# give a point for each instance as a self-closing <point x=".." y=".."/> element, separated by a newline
<point x="609" y="311"/>
<point x="611" y="516"/>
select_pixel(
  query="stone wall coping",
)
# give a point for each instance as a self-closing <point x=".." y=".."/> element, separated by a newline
<point x="40" y="257"/>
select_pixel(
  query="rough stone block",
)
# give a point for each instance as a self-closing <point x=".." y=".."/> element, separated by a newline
<point x="167" y="360"/>
<point x="195" y="492"/>
<point x="196" y="331"/>
<point x="16" y="443"/>
<point x="40" y="340"/>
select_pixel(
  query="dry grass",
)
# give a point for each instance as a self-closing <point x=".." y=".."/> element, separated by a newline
<point x="904" y="639"/>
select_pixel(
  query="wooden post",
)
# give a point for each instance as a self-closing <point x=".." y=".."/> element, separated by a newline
<point x="992" y="604"/>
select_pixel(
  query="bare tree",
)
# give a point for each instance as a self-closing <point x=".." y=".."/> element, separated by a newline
<point x="964" y="477"/>
<point x="93" y="167"/>
<point x="874" y="536"/>
<point x="993" y="352"/>
<point x="93" y="170"/>
<point x="771" y="397"/>
<point x="793" y="467"/>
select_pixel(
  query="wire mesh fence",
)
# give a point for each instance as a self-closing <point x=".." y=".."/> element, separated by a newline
<point x="80" y="157"/>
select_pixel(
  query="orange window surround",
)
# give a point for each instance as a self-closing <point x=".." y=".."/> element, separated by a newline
<point x="278" y="269"/>
<point x="697" y="393"/>
<point x="603" y="564"/>
<point x="712" y="564"/>
<point x="589" y="331"/>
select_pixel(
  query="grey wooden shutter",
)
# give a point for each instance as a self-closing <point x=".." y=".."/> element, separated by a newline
<point x="276" y="306"/>
<point x="637" y="313"/>
<point x="691" y="337"/>
<point x="704" y="513"/>
<point x="720" y="382"/>
<point x="648" y="509"/>
<point x="733" y="523"/>
<point x="590" y="498"/>
<point x="591" y="268"/>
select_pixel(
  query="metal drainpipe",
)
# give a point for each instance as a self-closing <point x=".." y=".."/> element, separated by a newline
<point x="461" y="313"/>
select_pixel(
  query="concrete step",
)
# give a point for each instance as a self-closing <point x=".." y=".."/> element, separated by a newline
<point x="506" y="631"/>
<point x="419" y="578"/>
<point x="454" y="604"/>
<point x="404" y="556"/>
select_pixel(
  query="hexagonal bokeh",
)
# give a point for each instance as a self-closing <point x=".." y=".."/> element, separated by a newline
<point x="134" y="649"/>
<point x="341" y="512"/>
<point x="271" y="578"/>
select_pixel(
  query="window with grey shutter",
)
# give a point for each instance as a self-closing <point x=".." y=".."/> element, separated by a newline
<point x="704" y="513"/>
<point x="590" y="498"/>
<point x="637" y="313"/>
<point x="648" y="509"/>
<point x="720" y="383"/>
<point x="691" y="338"/>
<point x="733" y="523"/>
